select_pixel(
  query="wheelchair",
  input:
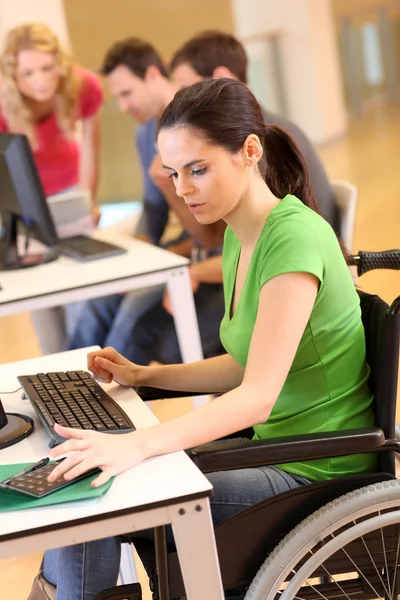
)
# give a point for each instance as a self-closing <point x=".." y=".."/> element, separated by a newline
<point x="337" y="539"/>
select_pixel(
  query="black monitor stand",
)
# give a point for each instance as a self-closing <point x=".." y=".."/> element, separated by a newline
<point x="13" y="427"/>
<point x="9" y="256"/>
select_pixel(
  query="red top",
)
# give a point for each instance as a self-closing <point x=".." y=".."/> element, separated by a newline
<point x="56" y="157"/>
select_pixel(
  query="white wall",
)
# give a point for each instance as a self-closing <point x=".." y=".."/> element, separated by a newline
<point x="17" y="12"/>
<point x="310" y="64"/>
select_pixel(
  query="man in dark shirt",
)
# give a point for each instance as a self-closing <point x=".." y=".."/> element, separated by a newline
<point x="137" y="78"/>
<point x="213" y="54"/>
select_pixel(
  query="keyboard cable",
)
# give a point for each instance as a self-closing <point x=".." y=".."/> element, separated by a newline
<point x="13" y="391"/>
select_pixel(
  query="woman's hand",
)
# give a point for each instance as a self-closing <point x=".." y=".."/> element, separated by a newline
<point x="109" y="365"/>
<point x="160" y="176"/>
<point x="113" y="454"/>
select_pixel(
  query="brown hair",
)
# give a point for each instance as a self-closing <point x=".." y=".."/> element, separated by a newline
<point x="209" y="50"/>
<point x="225" y="112"/>
<point x="135" y="54"/>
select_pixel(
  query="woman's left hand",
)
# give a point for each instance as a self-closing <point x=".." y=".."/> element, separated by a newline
<point x="113" y="454"/>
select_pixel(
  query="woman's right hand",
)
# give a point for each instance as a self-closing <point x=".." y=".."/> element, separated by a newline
<point x="109" y="365"/>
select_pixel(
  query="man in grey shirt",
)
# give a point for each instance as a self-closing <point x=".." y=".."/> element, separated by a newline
<point x="214" y="54"/>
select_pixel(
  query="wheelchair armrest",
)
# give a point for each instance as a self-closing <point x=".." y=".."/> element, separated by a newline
<point x="149" y="393"/>
<point x="224" y="455"/>
<point x="129" y="591"/>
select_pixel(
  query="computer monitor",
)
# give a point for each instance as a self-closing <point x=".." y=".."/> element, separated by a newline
<point x="13" y="427"/>
<point x="23" y="204"/>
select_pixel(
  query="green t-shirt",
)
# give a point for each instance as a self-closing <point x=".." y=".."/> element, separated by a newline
<point x="326" y="388"/>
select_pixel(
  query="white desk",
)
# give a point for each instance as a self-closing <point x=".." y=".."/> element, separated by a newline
<point x="66" y="280"/>
<point x="161" y="490"/>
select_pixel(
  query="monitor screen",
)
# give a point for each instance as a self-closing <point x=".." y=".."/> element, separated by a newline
<point x="22" y="200"/>
<point x="21" y="192"/>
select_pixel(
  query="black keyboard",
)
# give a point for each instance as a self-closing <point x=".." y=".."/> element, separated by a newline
<point x="83" y="247"/>
<point x="73" y="399"/>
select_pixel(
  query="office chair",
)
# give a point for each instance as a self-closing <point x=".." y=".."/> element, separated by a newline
<point x="346" y="198"/>
<point x="296" y="539"/>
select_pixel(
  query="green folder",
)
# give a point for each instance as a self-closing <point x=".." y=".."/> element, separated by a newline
<point x="81" y="490"/>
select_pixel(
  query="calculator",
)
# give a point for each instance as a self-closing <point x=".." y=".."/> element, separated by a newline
<point x="34" y="483"/>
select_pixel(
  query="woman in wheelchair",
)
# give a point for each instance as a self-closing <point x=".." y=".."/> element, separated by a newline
<point x="295" y="349"/>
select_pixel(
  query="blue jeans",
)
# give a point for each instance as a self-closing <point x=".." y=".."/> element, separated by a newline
<point x="138" y="327"/>
<point x="111" y="321"/>
<point x="81" y="571"/>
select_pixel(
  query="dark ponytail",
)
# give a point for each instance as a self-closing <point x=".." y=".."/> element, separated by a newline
<point x="283" y="167"/>
<point x="225" y="113"/>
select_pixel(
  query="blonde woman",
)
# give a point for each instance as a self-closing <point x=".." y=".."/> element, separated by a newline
<point x="44" y="94"/>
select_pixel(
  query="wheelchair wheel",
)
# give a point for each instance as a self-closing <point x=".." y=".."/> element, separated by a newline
<point x="348" y="549"/>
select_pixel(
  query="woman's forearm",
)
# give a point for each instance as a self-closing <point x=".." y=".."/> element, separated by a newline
<point x="238" y="409"/>
<point x="219" y="374"/>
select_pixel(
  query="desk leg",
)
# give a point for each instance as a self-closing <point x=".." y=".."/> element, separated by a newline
<point x="195" y="542"/>
<point x="185" y="317"/>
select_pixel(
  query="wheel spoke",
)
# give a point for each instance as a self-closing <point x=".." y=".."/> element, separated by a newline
<point x="386" y="565"/>
<point x="336" y="582"/>
<point x="314" y="588"/>
<point x="375" y="567"/>
<point x="359" y="571"/>
<point x="396" y="563"/>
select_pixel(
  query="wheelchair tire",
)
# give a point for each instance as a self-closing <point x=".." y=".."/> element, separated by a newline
<point x="306" y="548"/>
